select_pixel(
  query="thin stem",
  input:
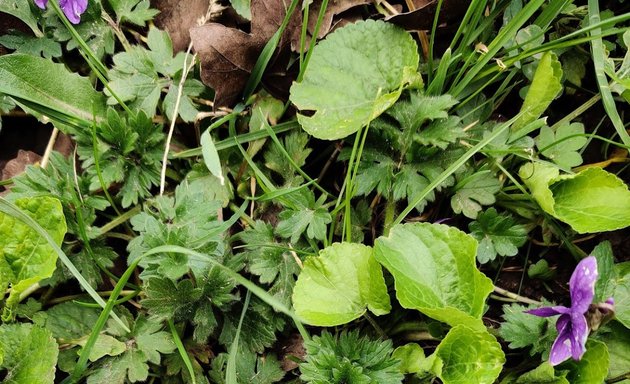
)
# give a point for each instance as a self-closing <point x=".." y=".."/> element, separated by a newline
<point x="180" y="92"/>
<point x="119" y="220"/>
<point x="512" y="295"/>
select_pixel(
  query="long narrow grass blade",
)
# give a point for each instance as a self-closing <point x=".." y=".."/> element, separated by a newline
<point x="182" y="351"/>
<point x="598" y="55"/>
<point x="230" y="370"/>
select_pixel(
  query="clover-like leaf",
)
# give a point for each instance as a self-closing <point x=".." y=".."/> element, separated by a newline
<point x="560" y="146"/>
<point x="354" y="76"/>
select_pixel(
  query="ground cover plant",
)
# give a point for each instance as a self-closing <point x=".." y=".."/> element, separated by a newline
<point x="265" y="191"/>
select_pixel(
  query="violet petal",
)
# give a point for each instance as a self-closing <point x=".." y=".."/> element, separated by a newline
<point x="579" y="334"/>
<point x="73" y="9"/>
<point x="582" y="284"/>
<point x="41" y="3"/>
<point x="549" y="311"/>
<point x="561" y="348"/>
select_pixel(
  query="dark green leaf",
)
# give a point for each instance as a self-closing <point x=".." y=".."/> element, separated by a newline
<point x="498" y="234"/>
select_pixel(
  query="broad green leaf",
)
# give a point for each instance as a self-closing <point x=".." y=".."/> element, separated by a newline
<point x="592" y="200"/>
<point x="50" y="85"/>
<point x="621" y="293"/>
<point x="354" y="76"/>
<point x="543" y="374"/>
<point x="411" y="357"/>
<point x="211" y="156"/>
<point x="26" y="257"/>
<point x="242" y="7"/>
<point x="560" y="147"/>
<point x="592" y="368"/>
<point x="434" y="270"/>
<point x="30" y="354"/>
<point x="337" y="286"/>
<point x="105" y="345"/>
<point x="22" y="10"/>
<point x="545" y="87"/>
<point x="468" y="356"/>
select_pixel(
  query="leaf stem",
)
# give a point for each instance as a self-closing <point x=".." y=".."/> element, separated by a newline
<point x="512" y="295"/>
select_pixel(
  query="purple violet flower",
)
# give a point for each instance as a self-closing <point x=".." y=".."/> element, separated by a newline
<point x="572" y="325"/>
<point x="72" y="8"/>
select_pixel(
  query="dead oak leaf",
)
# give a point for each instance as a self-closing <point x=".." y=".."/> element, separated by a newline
<point x="228" y="55"/>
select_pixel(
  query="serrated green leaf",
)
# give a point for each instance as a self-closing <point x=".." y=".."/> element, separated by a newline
<point x="34" y="46"/>
<point x="30" y="354"/>
<point x="498" y="234"/>
<point x="134" y="11"/>
<point x="473" y="192"/>
<point x="349" y="358"/>
<point x="468" y="355"/>
<point x="592" y="367"/>
<point x="592" y="200"/>
<point x="556" y="147"/>
<point x="50" y="85"/>
<point x="523" y="330"/>
<point x="306" y="215"/>
<point x="68" y="320"/>
<point x="434" y="270"/>
<point x="545" y="87"/>
<point x="167" y="300"/>
<point x="337" y="286"/>
<point x="354" y="76"/>
<point x="25" y="257"/>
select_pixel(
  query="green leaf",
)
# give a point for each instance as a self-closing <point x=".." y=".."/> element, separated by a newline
<point x="354" y="76"/>
<point x="50" y="85"/>
<point x="242" y="7"/>
<point x="522" y="330"/>
<point x="105" y="346"/>
<point x="543" y="374"/>
<point x="545" y="87"/>
<point x="250" y="368"/>
<point x="25" y="257"/>
<point x="474" y="191"/>
<point x="270" y="260"/>
<point x="621" y="293"/>
<point x="617" y="341"/>
<point x="604" y="287"/>
<point x="592" y="368"/>
<point x="468" y="356"/>
<point x="336" y="287"/>
<point x="498" y="234"/>
<point x="307" y="216"/>
<point x="188" y="220"/>
<point x="211" y="156"/>
<point x="561" y="151"/>
<point x="22" y="10"/>
<point x="592" y="200"/>
<point x="134" y="11"/>
<point x="145" y="343"/>
<point x="168" y="300"/>
<point x="30" y="45"/>
<point x="411" y="357"/>
<point x="30" y="354"/>
<point x="68" y="320"/>
<point x="349" y="358"/>
<point x="434" y="270"/>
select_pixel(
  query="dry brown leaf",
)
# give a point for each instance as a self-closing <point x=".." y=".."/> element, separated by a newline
<point x="421" y="18"/>
<point x="18" y="164"/>
<point x="228" y="55"/>
<point x="177" y="17"/>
